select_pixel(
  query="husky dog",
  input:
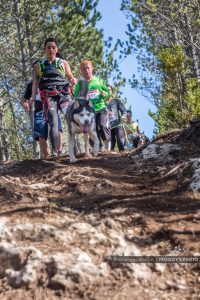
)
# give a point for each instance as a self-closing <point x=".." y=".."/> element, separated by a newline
<point x="81" y="119"/>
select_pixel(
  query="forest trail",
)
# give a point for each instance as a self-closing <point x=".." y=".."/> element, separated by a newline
<point x="61" y="222"/>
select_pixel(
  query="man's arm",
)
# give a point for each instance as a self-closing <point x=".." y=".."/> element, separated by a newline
<point x="25" y="104"/>
<point x="121" y="108"/>
<point x="105" y="91"/>
<point x="35" y="82"/>
<point x="69" y="74"/>
<point x="26" y="98"/>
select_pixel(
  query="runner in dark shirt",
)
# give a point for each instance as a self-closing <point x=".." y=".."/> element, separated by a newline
<point x="40" y="122"/>
<point x="117" y="113"/>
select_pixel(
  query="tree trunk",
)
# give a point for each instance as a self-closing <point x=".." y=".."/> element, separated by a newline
<point x="1" y="135"/>
<point x="22" y="36"/>
<point x="21" y="39"/>
<point x="193" y="48"/>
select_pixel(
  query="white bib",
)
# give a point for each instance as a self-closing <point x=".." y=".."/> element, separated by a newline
<point x="92" y="94"/>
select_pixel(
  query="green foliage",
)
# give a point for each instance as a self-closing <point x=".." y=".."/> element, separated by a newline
<point x="165" y="37"/>
<point x="171" y="60"/>
<point x="178" y="102"/>
<point x="192" y="97"/>
<point x="172" y="114"/>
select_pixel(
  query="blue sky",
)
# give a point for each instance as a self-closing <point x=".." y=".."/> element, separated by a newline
<point x="114" y="24"/>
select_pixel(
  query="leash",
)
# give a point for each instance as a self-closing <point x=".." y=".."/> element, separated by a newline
<point x="123" y="125"/>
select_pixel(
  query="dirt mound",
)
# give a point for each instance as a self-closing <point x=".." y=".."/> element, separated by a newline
<point x="61" y="224"/>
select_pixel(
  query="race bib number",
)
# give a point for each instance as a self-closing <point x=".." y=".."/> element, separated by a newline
<point x="93" y="94"/>
<point x="112" y="116"/>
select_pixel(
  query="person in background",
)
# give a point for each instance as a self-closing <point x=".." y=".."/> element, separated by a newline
<point x="131" y="126"/>
<point x="117" y="114"/>
<point x="53" y="76"/>
<point x="40" y="122"/>
<point x="95" y="89"/>
<point x="132" y="130"/>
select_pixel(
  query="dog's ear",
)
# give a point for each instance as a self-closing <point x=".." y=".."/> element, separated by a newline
<point x="89" y="102"/>
<point x="76" y="104"/>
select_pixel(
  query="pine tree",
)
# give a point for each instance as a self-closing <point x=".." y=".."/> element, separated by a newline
<point x="165" y="36"/>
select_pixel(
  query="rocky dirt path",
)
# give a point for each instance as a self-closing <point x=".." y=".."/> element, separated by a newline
<point x="60" y="224"/>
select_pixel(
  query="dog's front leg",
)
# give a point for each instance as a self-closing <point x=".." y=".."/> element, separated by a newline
<point x="94" y="137"/>
<point x="86" y="144"/>
<point x="72" y="157"/>
<point x="77" y="145"/>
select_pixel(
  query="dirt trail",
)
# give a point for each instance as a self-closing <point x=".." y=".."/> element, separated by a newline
<point x="60" y="223"/>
